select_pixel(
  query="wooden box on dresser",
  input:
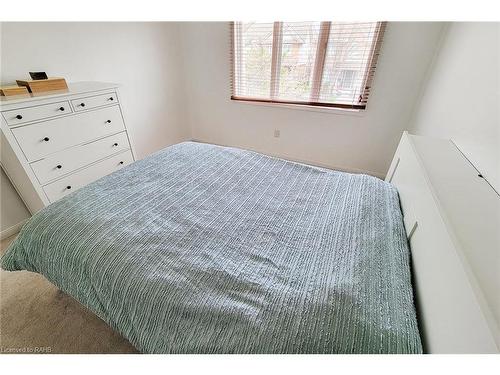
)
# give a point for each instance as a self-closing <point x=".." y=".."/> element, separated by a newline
<point x="54" y="144"/>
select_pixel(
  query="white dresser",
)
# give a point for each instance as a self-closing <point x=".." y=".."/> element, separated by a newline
<point x="52" y="145"/>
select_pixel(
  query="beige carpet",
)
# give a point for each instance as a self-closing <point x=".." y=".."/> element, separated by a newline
<point x="35" y="314"/>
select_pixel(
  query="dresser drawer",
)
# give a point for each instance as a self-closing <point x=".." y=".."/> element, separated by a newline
<point x="45" y="138"/>
<point x="94" y="101"/>
<point x="72" y="182"/>
<point x="40" y="112"/>
<point x="67" y="161"/>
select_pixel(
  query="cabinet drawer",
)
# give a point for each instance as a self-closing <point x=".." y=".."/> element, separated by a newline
<point x="45" y="138"/>
<point x="75" y="181"/>
<point x="22" y="115"/>
<point x="67" y="161"/>
<point x="94" y="101"/>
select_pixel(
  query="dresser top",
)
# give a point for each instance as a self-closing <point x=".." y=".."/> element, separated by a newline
<point x="74" y="88"/>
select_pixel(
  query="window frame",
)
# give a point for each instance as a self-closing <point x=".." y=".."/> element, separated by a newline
<point x="319" y="62"/>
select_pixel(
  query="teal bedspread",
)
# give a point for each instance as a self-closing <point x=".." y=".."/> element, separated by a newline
<point x="207" y="249"/>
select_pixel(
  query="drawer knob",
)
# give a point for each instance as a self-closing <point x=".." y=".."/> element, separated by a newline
<point x="59" y="166"/>
<point x="108" y="121"/>
<point x="82" y="104"/>
<point x="68" y="187"/>
<point x="19" y="117"/>
<point x="61" y="108"/>
<point x="46" y="139"/>
<point x="111" y="98"/>
<point x="121" y="162"/>
<point x="115" y="144"/>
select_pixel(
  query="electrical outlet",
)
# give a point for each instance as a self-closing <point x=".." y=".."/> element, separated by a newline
<point x="276" y="133"/>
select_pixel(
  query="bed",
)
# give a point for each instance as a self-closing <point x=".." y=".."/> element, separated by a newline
<point x="209" y="249"/>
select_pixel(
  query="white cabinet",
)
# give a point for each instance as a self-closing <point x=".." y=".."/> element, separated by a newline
<point x="54" y="144"/>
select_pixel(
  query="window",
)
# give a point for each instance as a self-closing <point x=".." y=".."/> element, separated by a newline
<point x="328" y="64"/>
<point x="346" y="79"/>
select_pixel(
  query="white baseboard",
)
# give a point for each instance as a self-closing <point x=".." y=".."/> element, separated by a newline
<point x="6" y="233"/>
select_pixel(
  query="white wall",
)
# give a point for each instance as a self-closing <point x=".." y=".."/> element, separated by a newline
<point x="143" y="57"/>
<point x="13" y="210"/>
<point x="359" y="142"/>
<point x="461" y="98"/>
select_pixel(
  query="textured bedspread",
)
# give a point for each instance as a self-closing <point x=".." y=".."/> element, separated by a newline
<point x="204" y="249"/>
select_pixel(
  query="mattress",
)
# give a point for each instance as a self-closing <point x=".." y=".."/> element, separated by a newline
<point x="207" y="249"/>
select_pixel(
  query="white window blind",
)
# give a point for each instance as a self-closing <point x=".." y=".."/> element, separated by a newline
<point x="328" y="64"/>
